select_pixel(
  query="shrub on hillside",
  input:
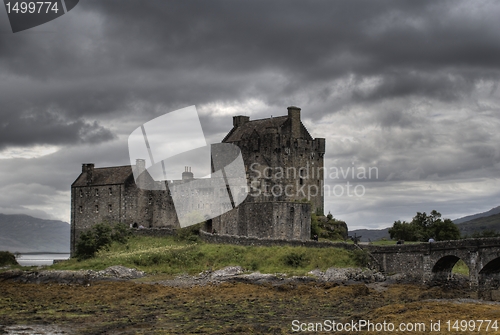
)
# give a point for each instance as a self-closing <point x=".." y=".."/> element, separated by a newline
<point x="328" y="227"/>
<point x="190" y="233"/>
<point x="100" y="237"/>
<point x="295" y="259"/>
<point x="361" y="257"/>
<point x="7" y="258"/>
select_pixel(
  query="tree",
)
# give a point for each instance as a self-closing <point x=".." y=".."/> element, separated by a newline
<point x="405" y="231"/>
<point x="423" y="227"/>
<point x="445" y="230"/>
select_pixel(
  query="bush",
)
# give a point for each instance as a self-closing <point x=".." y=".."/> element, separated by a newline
<point x="328" y="227"/>
<point x="121" y="233"/>
<point x="100" y="237"/>
<point x="7" y="258"/>
<point x="295" y="259"/>
<point x="361" y="257"/>
<point x="190" y="234"/>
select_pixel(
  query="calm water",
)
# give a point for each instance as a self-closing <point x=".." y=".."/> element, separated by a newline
<point x="39" y="259"/>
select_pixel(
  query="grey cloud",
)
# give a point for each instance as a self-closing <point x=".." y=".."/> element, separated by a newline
<point x="86" y="80"/>
<point x="43" y="127"/>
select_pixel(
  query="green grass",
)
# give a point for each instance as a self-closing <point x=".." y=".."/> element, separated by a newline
<point x="461" y="268"/>
<point x="168" y="255"/>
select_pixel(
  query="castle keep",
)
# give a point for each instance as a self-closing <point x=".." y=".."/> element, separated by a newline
<point x="284" y="170"/>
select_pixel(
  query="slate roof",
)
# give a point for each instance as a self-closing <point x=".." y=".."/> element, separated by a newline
<point x="237" y="133"/>
<point x="105" y="176"/>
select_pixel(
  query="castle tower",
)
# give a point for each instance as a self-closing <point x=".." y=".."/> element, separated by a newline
<point x="284" y="166"/>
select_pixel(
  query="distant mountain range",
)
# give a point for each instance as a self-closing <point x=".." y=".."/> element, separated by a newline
<point x="24" y="234"/>
<point x="480" y="224"/>
<point x="371" y="234"/>
<point x="492" y="211"/>
<point x="468" y="225"/>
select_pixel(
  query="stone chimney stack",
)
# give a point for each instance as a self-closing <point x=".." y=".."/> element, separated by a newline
<point x="187" y="174"/>
<point x="140" y="165"/>
<point x="89" y="170"/>
<point x="240" y="120"/>
<point x="294" y="117"/>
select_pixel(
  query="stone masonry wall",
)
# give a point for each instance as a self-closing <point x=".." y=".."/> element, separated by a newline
<point x="267" y="242"/>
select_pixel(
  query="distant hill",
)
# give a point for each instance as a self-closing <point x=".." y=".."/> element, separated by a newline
<point x="371" y="234"/>
<point x="24" y="233"/>
<point x="491" y="223"/>
<point x="468" y="225"/>
<point x="492" y="211"/>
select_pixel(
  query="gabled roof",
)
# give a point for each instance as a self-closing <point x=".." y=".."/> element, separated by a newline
<point x="260" y="126"/>
<point x="105" y="176"/>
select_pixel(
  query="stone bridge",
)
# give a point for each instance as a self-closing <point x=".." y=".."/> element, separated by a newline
<point x="429" y="262"/>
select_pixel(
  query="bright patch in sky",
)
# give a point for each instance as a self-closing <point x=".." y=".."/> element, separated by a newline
<point x="28" y="152"/>
<point x="218" y="108"/>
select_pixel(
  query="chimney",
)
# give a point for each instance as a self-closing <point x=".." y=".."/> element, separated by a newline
<point x="294" y="117"/>
<point x="89" y="170"/>
<point x="240" y="120"/>
<point x="187" y="174"/>
<point x="140" y="165"/>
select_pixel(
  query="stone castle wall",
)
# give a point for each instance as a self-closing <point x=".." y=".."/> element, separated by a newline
<point x="268" y="242"/>
<point x="288" y="169"/>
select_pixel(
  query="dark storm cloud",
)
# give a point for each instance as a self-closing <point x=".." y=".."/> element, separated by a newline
<point x="42" y="127"/>
<point x="114" y="53"/>
<point x="410" y="87"/>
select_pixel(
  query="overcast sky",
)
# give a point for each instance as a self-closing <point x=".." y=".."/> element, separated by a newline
<point x="407" y="87"/>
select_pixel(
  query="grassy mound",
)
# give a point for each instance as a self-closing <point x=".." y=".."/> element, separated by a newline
<point x="173" y="256"/>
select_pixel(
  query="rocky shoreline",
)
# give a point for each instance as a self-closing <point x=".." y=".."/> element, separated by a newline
<point x="227" y="274"/>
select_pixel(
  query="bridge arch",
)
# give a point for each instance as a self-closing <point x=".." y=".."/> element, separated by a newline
<point x="489" y="280"/>
<point x="442" y="269"/>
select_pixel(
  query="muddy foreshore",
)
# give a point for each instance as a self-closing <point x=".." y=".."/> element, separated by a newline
<point x="126" y="301"/>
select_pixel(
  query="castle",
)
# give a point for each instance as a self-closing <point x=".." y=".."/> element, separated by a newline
<point x="284" y="170"/>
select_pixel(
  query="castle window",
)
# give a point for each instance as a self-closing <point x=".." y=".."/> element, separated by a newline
<point x="150" y="200"/>
<point x="81" y="193"/>
<point x="81" y="209"/>
<point x="96" y="192"/>
<point x="147" y="210"/>
<point x="110" y="191"/>
<point x="97" y="208"/>
<point x="110" y="208"/>
<point x="302" y="173"/>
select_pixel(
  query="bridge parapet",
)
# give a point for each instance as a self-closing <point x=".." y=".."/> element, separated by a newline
<point x="427" y="262"/>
